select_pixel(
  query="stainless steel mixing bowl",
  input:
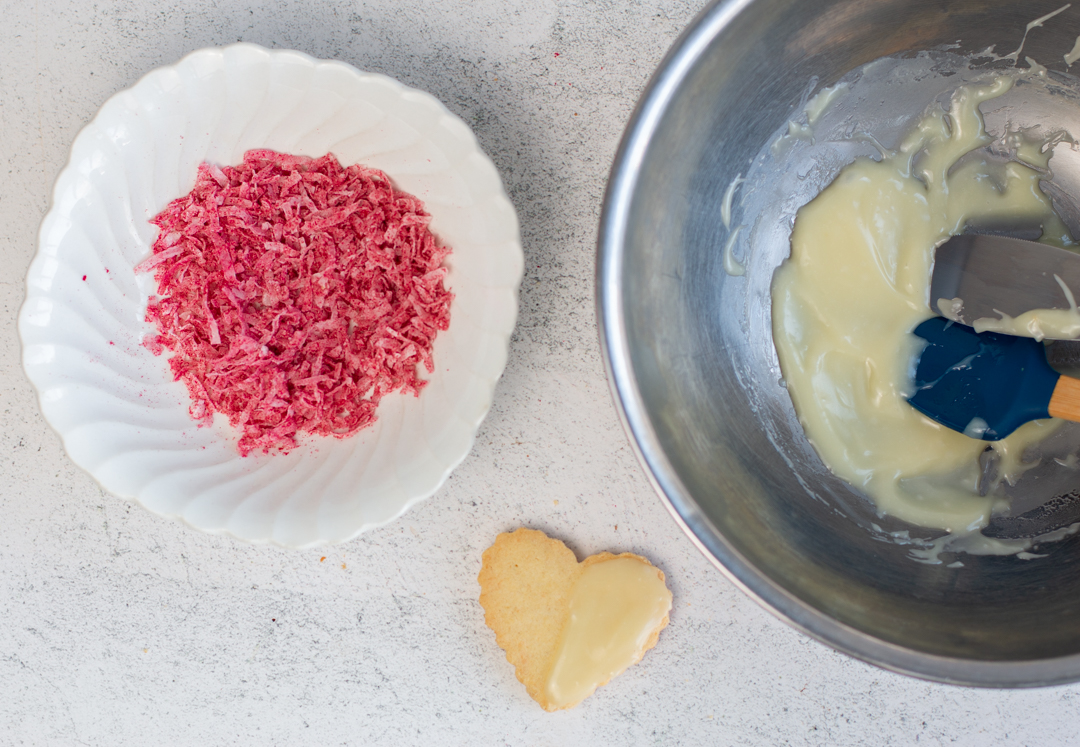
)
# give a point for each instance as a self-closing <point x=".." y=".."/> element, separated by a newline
<point x="691" y="361"/>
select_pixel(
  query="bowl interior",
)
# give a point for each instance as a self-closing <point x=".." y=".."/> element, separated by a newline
<point x="693" y="364"/>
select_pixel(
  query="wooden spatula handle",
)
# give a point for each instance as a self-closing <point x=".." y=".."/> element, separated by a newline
<point x="1065" y="402"/>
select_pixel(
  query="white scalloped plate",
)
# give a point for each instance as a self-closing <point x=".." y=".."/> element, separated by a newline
<point x="121" y="416"/>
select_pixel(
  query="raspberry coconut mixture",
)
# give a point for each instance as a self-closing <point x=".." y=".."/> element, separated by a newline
<point x="295" y="294"/>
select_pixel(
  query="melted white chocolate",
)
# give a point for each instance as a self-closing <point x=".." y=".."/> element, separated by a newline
<point x="616" y="607"/>
<point x="733" y="266"/>
<point x="856" y="284"/>
<point x="1053" y="324"/>
<point x="728" y="201"/>
<point x="813" y="110"/>
<point x="1037" y="23"/>
<point x="1074" y="54"/>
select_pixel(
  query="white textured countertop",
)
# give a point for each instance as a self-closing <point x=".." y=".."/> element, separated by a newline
<point x="121" y="628"/>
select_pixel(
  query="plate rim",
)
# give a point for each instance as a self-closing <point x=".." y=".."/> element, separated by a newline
<point x="401" y="90"/>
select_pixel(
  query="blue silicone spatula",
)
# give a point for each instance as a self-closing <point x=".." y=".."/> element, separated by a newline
<point x="988" y="385"/>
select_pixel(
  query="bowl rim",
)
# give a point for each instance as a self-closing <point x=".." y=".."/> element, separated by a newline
<point x="615" y="350"/>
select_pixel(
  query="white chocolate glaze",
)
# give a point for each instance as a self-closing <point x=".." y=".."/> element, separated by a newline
<point x="732" y="266"/>
<point x="1074" y="54"/>
<point x="1042" y="324"/>
<point x="1034" y="25"/>
<point x="812" y="111"/>
<point x="857" y="283"/>
<point x="729" y="198"/>
<point x="616" y="606"/>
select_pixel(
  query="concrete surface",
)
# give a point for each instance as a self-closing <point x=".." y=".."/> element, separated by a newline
<point x="120" y="628"/>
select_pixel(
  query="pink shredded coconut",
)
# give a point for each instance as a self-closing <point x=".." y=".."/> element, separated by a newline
<point x="295" y="294"/>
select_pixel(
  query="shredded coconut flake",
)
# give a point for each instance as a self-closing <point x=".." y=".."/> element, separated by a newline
<point x="295" y="294"/>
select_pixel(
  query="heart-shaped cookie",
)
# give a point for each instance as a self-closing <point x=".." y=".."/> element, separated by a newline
<point x="569" y="627"/>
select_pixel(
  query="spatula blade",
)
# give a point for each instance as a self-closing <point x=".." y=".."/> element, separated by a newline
<point x="1000" y="273"/>
<point x="984" y="385"/>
